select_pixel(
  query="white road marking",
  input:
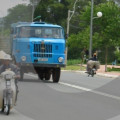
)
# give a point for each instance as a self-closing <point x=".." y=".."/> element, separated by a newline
<point x="115" y="118"/>
<point x="74" y="86"/>
<point x="35" y="76"/>
<point x="90" y="90"/>
<point x="85" y="89"/>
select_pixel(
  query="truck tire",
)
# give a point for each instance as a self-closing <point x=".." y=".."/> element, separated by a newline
<point x="47" y="76"/>
<point x="56" y="75"/>
<point x="41" y="76"/>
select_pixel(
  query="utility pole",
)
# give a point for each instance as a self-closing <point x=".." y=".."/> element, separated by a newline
<point x="33" y="9"/>
<point x="91" y="30"/>
<point x="34" y="2"/>
<point x="68" y="20"/>
<point x="70" y="14"/>
<point x="99" y="14"/>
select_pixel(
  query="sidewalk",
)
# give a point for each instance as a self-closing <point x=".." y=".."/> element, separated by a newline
<point x="102" y="72"/>
<point x="110" y="74"/>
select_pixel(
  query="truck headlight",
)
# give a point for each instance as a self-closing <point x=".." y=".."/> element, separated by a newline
<point x="60" y="59"/>
<point x="23" y="58"/>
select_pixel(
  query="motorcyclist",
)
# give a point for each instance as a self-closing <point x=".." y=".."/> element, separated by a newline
<point x="94" y="58"/>
<point x="92" y="62"/>
<point x="7" y="65"/>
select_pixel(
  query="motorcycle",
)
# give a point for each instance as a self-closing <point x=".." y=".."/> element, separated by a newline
<point x="92" y="67"/>
<point x="8" y="91"/>
<point x="92" y="71"/>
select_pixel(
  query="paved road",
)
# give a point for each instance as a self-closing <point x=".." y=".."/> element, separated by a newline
<point x="76" y="97"/>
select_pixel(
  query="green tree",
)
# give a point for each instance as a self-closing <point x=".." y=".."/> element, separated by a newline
<point x="106" y="32"/>
<point x="76" y="43"/>
<point x="18" y="13"/>
<point x="79" y="8"/>
<point x="110" y="25"/>
<point x="52" y="11"/>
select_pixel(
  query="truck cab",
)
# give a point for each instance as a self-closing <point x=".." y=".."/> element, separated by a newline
<point x="39" y="47"/>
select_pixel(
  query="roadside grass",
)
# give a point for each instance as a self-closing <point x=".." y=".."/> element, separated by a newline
<point x="113" y="69"/>
<point x="74" y="64"/>
<point x="74" y="67"/>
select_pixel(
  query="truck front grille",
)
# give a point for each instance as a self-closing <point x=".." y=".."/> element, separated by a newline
<point x="43" y="50"/>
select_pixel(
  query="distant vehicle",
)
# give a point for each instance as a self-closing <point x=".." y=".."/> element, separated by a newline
<point x="39" y="47"/>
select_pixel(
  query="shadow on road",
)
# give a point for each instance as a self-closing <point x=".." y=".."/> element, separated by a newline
<point x="112" y="87"/>
<point x="35" y="80"/>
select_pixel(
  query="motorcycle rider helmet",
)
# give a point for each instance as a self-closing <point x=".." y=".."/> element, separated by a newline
<point x="94" y="54"/>
<point x="2" y="54"/>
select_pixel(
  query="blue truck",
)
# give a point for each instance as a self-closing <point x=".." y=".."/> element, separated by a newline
<point x="39" y="47"/>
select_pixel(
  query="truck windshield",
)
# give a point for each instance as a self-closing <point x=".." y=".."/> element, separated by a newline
<point x="40" y="32"/>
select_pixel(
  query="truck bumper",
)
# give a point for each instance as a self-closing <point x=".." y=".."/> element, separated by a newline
<point x="42" y="65"/>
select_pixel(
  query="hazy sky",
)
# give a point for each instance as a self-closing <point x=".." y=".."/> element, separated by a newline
<point x="6" y="4"/>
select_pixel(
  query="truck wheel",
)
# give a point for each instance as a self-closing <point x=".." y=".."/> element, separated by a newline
<point x="47" y="76"/>
<point x="41" y="76"/>
<point x="56" y="75"/>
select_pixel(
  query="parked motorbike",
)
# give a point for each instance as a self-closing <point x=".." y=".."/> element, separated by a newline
<point x="8" y="91"/>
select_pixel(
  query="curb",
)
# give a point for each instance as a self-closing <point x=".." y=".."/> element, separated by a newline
<point x="108" y="75"/>
<point x="98" y="74"/>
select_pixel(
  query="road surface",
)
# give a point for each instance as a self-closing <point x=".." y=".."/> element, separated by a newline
<point x="75" y="97"/>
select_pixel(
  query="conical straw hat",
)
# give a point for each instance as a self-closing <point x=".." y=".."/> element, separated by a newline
<point x="2" y="54"/>
<point x="7" y="57"/>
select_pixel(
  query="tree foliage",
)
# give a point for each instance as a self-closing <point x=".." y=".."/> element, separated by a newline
<point x="76" y="43"/>
<point x="106" y="30"/>
<point x="20" y="12"/>
<point x="52" y="11"/>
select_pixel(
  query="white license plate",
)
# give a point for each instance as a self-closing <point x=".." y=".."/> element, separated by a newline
<point x="43" y="59"/>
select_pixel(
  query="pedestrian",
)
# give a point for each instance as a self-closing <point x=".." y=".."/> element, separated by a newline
<point x="84" y="55"/>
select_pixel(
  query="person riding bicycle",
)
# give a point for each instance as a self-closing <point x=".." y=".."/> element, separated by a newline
<point x="7" y="65"/>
